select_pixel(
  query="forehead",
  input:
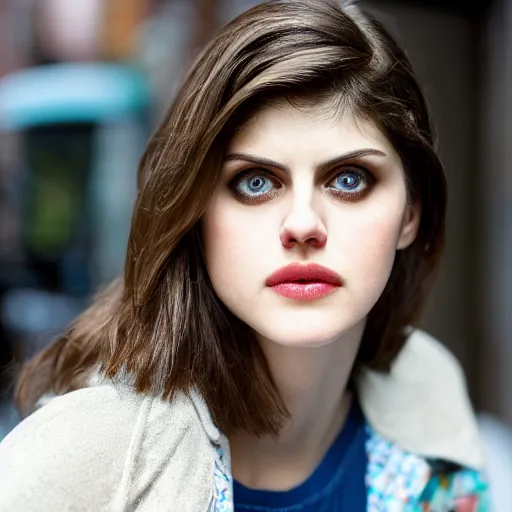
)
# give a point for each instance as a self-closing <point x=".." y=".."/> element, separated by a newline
<point x="281" y="125"/>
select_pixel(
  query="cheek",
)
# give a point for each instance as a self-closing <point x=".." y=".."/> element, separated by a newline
<point x="378" y="234"/>
<point x="366" y="241"/>
<point x="233" y="243"/>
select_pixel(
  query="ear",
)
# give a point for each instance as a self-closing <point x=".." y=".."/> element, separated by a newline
<point x="410" y="225"/>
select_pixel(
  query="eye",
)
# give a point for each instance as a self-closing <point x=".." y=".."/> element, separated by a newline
<point x="350" y="183"/>
<point x="254" y="185"/>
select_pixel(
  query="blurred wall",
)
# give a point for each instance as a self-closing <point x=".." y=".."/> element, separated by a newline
<point x="7" y="53"/>
<point x="495" y="205"/>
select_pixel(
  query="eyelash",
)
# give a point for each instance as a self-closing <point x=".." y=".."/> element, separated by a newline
<point x="363" y="174"/>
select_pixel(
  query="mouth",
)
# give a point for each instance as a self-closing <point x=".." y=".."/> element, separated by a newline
<point x="304" y="281"/>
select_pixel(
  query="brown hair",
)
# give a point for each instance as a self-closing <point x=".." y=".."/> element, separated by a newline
<point x="163" y="323"/>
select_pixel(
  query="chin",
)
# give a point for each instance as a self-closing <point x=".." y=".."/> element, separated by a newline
<point x="302" y="336"/>
<point x="306" y="327"/>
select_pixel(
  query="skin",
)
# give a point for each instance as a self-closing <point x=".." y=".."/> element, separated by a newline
<point x="351" y="216"/>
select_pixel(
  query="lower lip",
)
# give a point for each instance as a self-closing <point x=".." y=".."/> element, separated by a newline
<point x="304" y="291"/>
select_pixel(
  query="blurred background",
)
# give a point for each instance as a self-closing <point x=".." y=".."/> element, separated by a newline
<point x="84" y="82"/>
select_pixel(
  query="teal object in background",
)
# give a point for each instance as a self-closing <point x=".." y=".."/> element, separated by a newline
<point x="83" y="127"/>
<point x="61" y="93"/>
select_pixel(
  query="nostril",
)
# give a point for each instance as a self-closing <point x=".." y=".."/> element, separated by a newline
<point x="288" y="243"/>
<point x="315" y="242"/>
<point x="314" y="236"/>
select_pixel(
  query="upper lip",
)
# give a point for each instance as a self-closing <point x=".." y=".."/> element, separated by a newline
<point x="312" y="272"/>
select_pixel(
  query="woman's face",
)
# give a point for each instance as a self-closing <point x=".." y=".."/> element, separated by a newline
<point x="301" y="232"/>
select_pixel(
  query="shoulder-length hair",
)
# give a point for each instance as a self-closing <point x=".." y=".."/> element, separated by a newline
<point x="162" y="322"/>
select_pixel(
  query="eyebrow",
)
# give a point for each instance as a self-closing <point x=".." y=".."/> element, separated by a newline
<point x="337" y="160"/>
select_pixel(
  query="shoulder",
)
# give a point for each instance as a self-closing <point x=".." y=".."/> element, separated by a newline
<point x="422" y="404"/>
<point x="73" y="448"/>
<point x="423" y="433"/>
<point x="88" y="448"/>
<point x="100" y="412"/>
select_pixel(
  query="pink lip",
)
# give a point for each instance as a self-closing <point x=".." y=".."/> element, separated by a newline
<point x="304" y="281"/>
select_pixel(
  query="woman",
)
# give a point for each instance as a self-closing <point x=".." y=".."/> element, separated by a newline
<point x="258" y="353"/>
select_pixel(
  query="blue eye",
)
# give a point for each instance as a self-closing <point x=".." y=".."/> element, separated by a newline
<point x="349" y="182"/>
<point x="254" y="185"/>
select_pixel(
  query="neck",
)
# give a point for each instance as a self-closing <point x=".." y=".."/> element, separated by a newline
<point x="313" y="385"/>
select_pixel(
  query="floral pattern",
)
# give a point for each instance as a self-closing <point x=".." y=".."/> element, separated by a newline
<point x="394" y="477"/>
<point x="223" y="500"/>
<point x="462" y="491"/>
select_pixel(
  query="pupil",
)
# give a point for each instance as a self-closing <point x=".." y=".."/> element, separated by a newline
<point x="256" y="183"/>
<point x="349" y="181"/>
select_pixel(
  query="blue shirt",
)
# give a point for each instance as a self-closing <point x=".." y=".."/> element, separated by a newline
<point x="336" y="485"/>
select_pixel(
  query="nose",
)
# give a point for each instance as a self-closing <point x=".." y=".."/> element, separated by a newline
<point x="303" y="227"/>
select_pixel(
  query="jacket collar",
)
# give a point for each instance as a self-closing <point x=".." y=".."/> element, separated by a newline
<point x="421" y="405"/>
